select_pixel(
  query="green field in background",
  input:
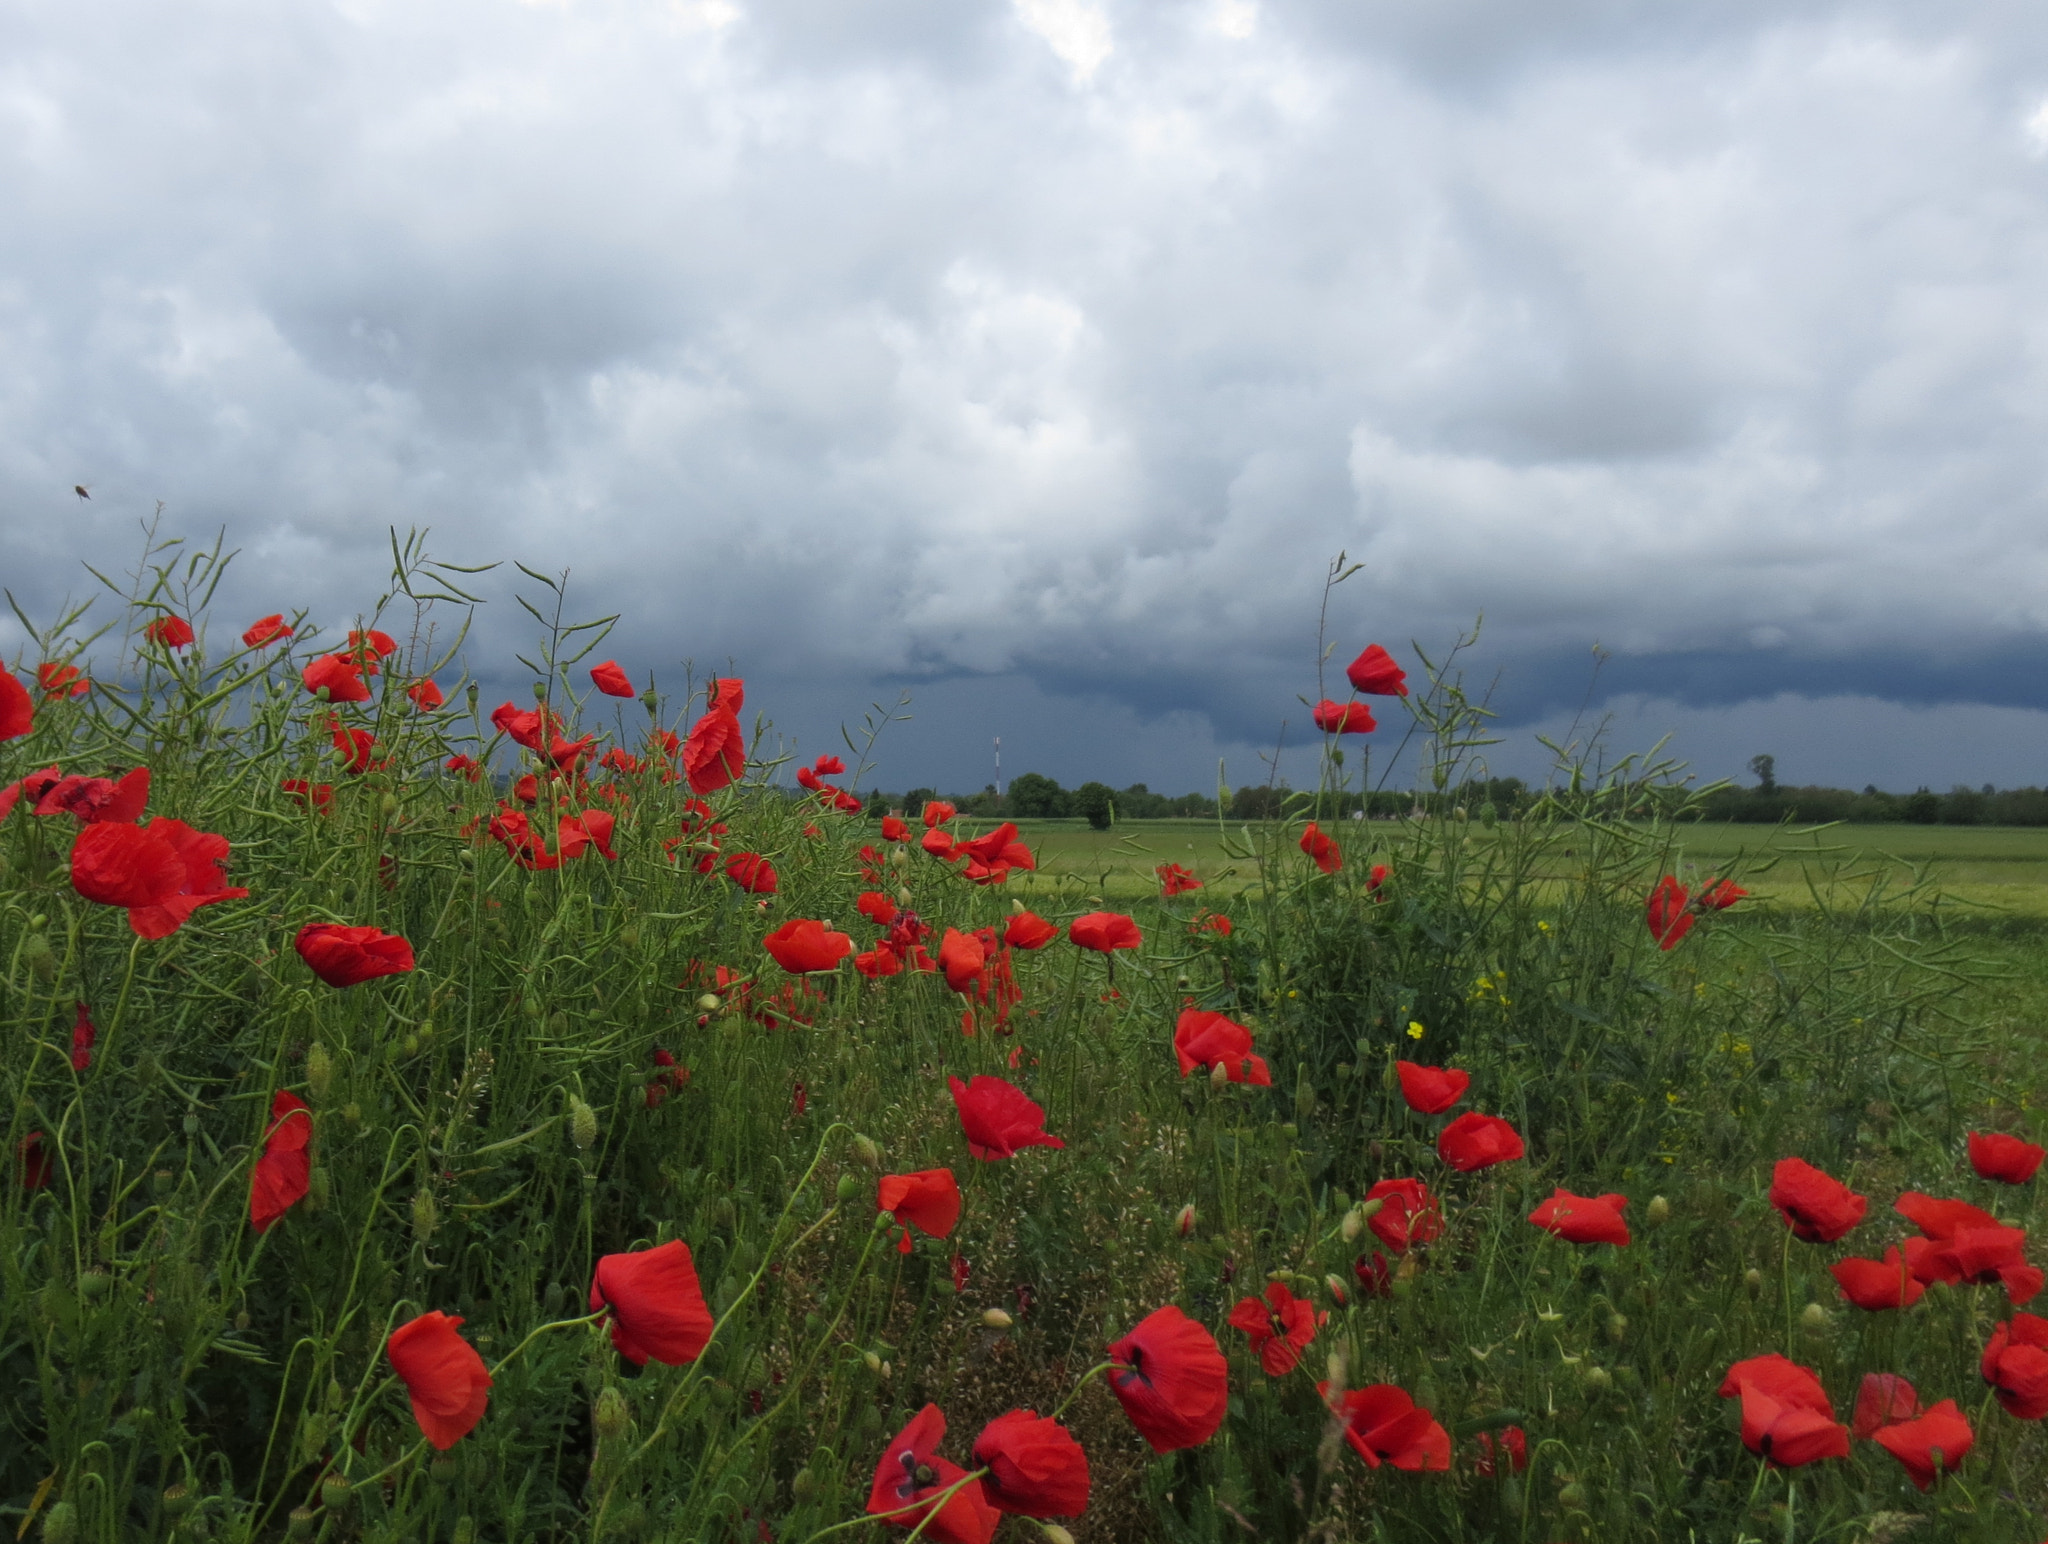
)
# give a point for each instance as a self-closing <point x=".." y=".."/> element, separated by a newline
<point x="1993" y="868"/>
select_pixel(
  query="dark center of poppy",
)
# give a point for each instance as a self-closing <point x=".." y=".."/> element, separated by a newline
<point x="911" y="1470"/>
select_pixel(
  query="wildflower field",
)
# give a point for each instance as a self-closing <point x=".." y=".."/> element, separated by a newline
<point x="431" y="1118"/>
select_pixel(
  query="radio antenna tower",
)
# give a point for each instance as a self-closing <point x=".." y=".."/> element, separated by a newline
<point x="999" y="766"/>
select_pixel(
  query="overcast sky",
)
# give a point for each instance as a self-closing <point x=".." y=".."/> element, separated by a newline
<point x="1038" y="356"/>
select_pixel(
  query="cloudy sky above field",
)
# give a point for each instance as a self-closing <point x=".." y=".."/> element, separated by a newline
<point x="1037" y="356"/>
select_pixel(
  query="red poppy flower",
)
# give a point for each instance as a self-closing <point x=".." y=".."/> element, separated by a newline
<point x="425" y="695"/>
<point x="990" y="858"/>
<point x="1979" y="1256"/>
<point x="371" y="646"/>
<point x="656" y="1307"/>
<point x="1202" y="1038"/>
<point x="1384" y="1425"/>
<point x="347" y="956"/>
<point x="1026" y="930"/>
<point x="1475" y="1141"/>
<point x="999" y="1118"/>
<point x="1327" y="855"/>
<point x="1939" y="1219"/>
<point x="1513" y="1446"/>
<point x="1666" y="913"/>
<point x="961" y="957"/>
<point x="928" y="1199"/>
<point x="1375" y="1276"/>
<point x="1171" y="1379"/>
<point x="876" y="907"/>
<point x="83" y="1033"/>
<point x="1583" y="1219"/>
<point x="1877" y="1284"/>
<point x="2007" y="1159"/>
<point x="340" y="676"/>
<point x="522" y="726"/>
<point x="1374" y="878"/>
<point x="355" y="748"/>
<point x="125" y="865"/>
<point x="894" y="830"/>
<point x="2015" y="1364"/>
<point x="1035" y="1467"/>
<point x="319" y="796"/>
<point x="58" y="680"/>
<point x="266" y="630"/>
<point x="1409" y="1214"/>
<point x="527" y="791"/>
<point x="752" y="873"/>
<point x="802" y="946"/>
<point x="95" y="799"/>
<point x="32" y="1161"/>
<point x="1211" y="922"/>
<point x="1375" y="673"/>
<point x="938" y="843"/>
<point x="173" y="632"/>
<point x="283" y="1172"/>
<point x="592" y="828"/>
<point x="937" y="812"/>
<point x="611" y="680"/>
<point x="1431" y="1090"/>
<point x="1279" y="1326"/>
<point x="1344" y="717"/>
<point x="449" y="1386"/>
<point x="34" y="788"/>
<point x="1175" y="880"/>
<point x="715" y="754"/>
<point x="1883" y="1399"/>
<point x="911" y="1472"/>
<point x="1816" y="1206"/>
<point x="466" y="766"/>
<point x="1786" y="1417"/>
<point x="1105" y="931"/>
<point x="878" y="962"/>
<point x="17" y="709"/>
<point x="1719" y="895"/>
<point x="1931" y="1446"/>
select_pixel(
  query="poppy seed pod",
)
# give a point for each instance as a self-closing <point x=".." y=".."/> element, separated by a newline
<point x="847" y="1188"/>
<point x="300" y="1524"/>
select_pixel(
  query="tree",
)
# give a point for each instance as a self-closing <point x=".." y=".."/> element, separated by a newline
<point x="1257" y="801"/>
<point x="1097" y="801"/>
<point x="915" y="801"/>
<point x="1921" y="807"/>
<point x="1765" y="770"/>
<point x="1034" y="796"/>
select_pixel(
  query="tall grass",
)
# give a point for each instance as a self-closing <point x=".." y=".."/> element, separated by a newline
<point x="484" y="1132"/>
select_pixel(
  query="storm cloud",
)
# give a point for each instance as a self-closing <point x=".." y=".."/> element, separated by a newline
<point x="1038" y="357"/>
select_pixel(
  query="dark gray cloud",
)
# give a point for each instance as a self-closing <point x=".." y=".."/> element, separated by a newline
<point x="1037" y="356"/>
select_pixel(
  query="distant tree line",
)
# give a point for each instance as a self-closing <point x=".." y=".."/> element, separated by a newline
<point x="1960" y="806"/>
<point x="1034" y="796"/>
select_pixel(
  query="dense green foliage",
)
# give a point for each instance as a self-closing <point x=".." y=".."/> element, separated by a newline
<point x="484" y="1131"/>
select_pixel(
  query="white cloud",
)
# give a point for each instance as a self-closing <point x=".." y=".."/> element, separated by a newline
<point x="1079" y="33"/>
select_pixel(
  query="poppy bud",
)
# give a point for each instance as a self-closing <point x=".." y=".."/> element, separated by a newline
<point x="1353" y="1225"/>
<point x="1596" y="1377"/>
<point x="426" y="1215"/>
<point x="582" y="1123"/>
<point x="996" y="1319"/>
<point x="900" y="858"/>
<point x="865" y="1150"/>
<point x="611" y="1417"/>
<point x="1815" y="1322"/>
<point x="1055" y="1534"/>
<point x="1017" y="908"/>
<point x="1184" y="1223"/>
<point x="1334" y="1284"/>
<point x="1753" y="1280"/>
<point x="319" y="1071"/>
<point x="61" y="1525"/>
<point x="803" y="1485"/>
<point x="319" y="1189"/>
<point x="1219" y="1075"/>
<point x="1658" y="1212"/>
<point x="177" y="1500"/>
<point x="465" y="1530"/>
<point x="903" y="895"/>
<point x="300" y="1524"/>
<point x="874" y="1362"/>
<point x="41" y="958"/>
<point x="708" y="1003"/>
<point x="888" y="1371"/>
<point x="1511" y="1495"/>
<point x="848" y="1187"/>
<point x="443" y="1469"/>
<point x="1574" y="1497"/>
<point x="1617" y="1326"/>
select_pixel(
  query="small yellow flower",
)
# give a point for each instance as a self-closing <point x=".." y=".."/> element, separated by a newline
<point x="1543" y="927"/>
<point x="1415" y="1030"/>
<point x="1291" y="992"/>
<point x="1671" y="1096"/>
